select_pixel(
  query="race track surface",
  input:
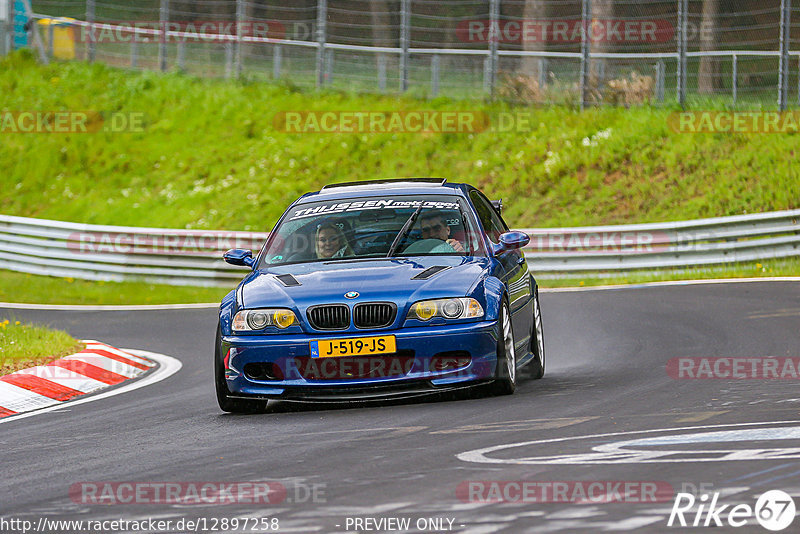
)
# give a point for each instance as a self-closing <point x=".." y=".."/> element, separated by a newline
<point x="607" y="353"/>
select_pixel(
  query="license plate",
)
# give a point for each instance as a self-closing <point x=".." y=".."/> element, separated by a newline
<point x="354" y="346"/>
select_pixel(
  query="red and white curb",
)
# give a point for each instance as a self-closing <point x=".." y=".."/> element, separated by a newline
<point x="96" y="367"/>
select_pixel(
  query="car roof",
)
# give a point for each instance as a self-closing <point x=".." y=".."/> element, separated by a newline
<point x="394" y="186"/>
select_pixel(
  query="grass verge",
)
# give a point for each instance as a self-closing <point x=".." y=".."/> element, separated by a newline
<point x="34" y="289"/>
<point x="25" y="345"/>
<point x="210" y="157"/>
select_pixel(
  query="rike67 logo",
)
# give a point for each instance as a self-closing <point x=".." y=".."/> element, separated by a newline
<point x="774" y="510"/>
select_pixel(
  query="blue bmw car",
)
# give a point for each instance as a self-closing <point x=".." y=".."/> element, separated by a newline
<point x="380" y="289"/>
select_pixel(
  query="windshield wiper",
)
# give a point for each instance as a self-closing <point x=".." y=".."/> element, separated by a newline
<point x="404" y="232"/>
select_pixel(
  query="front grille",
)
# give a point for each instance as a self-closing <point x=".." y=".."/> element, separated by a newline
<point x="329" y="317"/>
<point x="374" y="314"/>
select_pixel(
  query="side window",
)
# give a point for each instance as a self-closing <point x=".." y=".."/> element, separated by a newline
<point x="492" y="223"/>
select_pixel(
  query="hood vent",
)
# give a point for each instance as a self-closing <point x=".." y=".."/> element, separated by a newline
<point x="288" y="280"/>
<point x="429" y="272"/>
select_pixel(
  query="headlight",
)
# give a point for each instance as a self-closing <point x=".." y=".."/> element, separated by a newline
<point x="248" y="320"/>
<point x="455" y="308"/>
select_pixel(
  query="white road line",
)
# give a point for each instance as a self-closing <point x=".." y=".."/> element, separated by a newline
<point x="168" y="366"/>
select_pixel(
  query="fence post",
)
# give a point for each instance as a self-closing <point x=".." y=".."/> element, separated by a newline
<point x="435" y="75"/>
<point x="586" y="17"/>
<point x="162" y="45"/>
<point x="783" y="66"/>
<point x="277" y="56"/>
<point x="735" y="77"/>
<point x="661" y="72"/>
<point x="50" y="34"/>
<point x="329" y="66"/>
<point x="683" y="8"/>
<point x="182" y="54"/>
<point x="493" y="36"/>
<point x="90" y="44"/>
<point x="381" y="72"/>
<point x="228" y="58"/>
<point x="543" y="66"/>
<point x="135" y="51"/>
<point x="405" y="35"/>
<point x="322" y="16"/>
<point x="239" y="34"/>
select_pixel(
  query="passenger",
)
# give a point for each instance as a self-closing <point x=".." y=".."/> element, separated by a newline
<point x="331" y="242"/>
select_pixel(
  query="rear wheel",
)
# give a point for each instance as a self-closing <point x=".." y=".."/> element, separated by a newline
<point x="227" y="404"/>
<point x="536" y="367"/>
<point x="506" y="375"/>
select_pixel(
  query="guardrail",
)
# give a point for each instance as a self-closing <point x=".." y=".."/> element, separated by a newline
<point x="193" y="257"/>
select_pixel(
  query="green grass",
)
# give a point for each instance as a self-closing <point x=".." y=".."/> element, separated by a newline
<point x="21" y="287"/>
<point x="25" y="345"/>
<point x="210" y="157"/>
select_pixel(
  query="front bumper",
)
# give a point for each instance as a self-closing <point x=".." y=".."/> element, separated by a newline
<point x="410" y="371"/>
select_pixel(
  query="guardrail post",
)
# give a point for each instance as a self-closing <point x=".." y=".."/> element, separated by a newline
<point x="277" y="57"/>
<point x="783" y="65"/>
<point x="381" y="72"/>
<point x="683" y="17"/>
<point x="239" y="34"/>
<point x="435" y="75"/>
<point x="405" y="36"/>
<point x="494" y="24"/>
<point x="735" y="77"/>
<point x="90" y="44"/>
<point x="162" y="45"/>
<point x="586" y="17"/>
<point x="322" y="16"/>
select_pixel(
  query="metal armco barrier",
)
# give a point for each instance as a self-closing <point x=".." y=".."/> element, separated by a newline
<point x="193" y="257"/>
<point x="661" y="245"/>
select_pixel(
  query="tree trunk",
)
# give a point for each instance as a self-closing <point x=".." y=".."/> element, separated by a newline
<point x="708" y="74"/>
<point x="535" y="10"/>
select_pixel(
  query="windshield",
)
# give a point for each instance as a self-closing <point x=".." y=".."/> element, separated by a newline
<point x="372" y="228"/>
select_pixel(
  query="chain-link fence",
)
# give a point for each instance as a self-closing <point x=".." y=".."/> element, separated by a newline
<point x="576" y="52"/>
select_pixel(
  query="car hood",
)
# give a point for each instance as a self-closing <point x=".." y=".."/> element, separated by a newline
<point x="377" y="279"/>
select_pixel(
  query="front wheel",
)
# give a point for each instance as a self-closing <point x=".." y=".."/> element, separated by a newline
<point x="227" y="404"/>
<point x="506" y="375"/>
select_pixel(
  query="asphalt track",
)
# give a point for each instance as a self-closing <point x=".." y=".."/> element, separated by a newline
<point x="607" y="352"/>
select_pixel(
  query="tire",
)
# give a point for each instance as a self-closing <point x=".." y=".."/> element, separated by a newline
<point x="536" y="367"/>
<point x="506" y="375"/>
<point x="227" y="404"/>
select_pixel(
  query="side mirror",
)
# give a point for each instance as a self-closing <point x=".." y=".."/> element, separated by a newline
<point x="511" y="241"/>
<point x="239" y="256"/>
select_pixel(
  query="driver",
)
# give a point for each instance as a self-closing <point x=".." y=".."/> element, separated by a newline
<point x="433" y="226"/>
